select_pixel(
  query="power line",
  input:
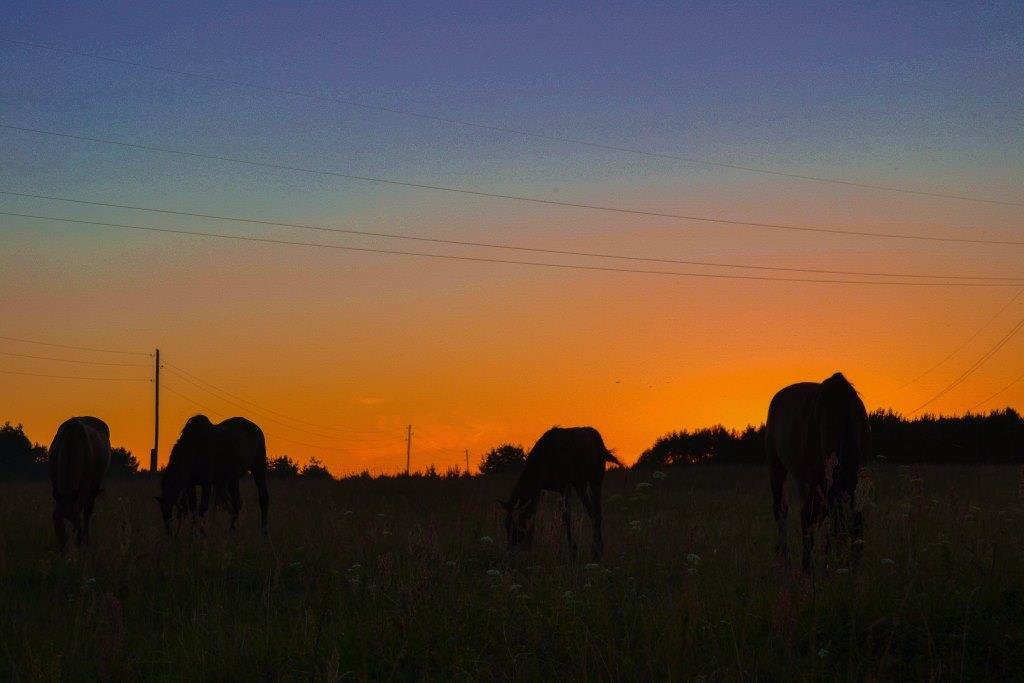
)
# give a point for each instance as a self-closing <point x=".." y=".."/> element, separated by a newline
<point x="240" y="402"/>
<point x="76" y="348"/>
<point x="998" y="393"/>
<point x="482" y="259"/>
<point x="965" y="342"/>
<point x="493" y="245"/>
<point x="514" y="131"/>
<point x="96" y="379"/>
<point x="271" y="434"/>
<point x="173" y="367"/>
<point x="70" y="360"/>
<point x="511" y="197"/>
<point x="977" y="364"/>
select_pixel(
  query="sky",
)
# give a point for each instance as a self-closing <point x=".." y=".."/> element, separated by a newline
<point x="335" y="352"/>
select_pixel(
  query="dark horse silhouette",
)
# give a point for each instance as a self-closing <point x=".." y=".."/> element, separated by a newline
<point x="79" y="457"/>
<point x="216" y="456"/>
<point x="819" y="434"/>
<point x="563" y="458"/>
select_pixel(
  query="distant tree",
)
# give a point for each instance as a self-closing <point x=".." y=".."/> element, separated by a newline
<point x="315" y="469"/>
<point x="19" y="458"/>
<point x="504" y="458"/>
<point x="122" y="462"/>
<point x="708" y="444"/>
<point x="283" y="467"/>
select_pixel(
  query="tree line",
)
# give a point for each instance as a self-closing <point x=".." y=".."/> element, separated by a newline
<point x="995" y="438"/>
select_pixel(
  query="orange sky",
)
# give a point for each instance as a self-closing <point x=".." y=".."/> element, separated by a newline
<point x="475" y="354"/>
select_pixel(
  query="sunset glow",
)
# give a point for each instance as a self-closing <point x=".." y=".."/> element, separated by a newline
<point x="334" y="353"/>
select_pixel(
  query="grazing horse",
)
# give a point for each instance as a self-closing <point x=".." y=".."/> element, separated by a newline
<point x="214" y="456"/>
<point x="79" y="457"/>
<point x="819" y="434"/>
<point x="562" y="459"/>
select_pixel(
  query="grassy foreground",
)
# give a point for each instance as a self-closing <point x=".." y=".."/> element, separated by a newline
<point x="409" y="578"/>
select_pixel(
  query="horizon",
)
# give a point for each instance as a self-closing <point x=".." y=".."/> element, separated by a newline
<point x="348" y="347"/>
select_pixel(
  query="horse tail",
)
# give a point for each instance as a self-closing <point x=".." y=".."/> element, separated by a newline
<point x="610" y="457"/>
<point x="67" y="450"/>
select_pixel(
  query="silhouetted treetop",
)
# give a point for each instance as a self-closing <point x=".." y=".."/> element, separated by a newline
<point x="504" y="458"/>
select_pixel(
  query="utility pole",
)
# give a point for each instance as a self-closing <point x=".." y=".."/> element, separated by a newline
<point x="156" y="413"/>
<point x="467" y="462"/>
<point x="408" y="449"/>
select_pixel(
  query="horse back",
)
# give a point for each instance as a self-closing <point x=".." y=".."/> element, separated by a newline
<point x="789" y="430"/>
<point x="566" y="456"/>
<point x="240" y="447"/>
<point x="79" y="456"/>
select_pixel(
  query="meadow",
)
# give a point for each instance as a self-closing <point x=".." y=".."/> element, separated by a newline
<point x="409" y="578"/>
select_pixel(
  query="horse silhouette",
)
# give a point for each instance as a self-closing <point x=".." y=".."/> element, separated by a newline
<point x="819" y="434"/>
<point x="564" y="458"/>
<point x="214" y="456"/>
<point x="79" y="457"/>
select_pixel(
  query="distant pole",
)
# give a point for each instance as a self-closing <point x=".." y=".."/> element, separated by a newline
<point x="467" y="461"/>
<point x="408" y="449"/>
<point x="156" y="413"/>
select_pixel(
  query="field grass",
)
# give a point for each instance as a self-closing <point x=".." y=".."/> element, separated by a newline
<point x="399" y="579"/>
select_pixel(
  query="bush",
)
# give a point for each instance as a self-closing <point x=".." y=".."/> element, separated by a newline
<point x="504" y="458"/>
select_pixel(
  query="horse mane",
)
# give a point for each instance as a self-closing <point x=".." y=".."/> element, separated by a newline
<point x="840" y="410"/>
<point x="192" y="425"/>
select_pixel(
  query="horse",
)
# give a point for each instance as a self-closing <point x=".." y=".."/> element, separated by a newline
<point x="563" y="458"/>
<point x="79" y="457"/>
<point x="819" y="434"/>
<point x="214" y="456"/>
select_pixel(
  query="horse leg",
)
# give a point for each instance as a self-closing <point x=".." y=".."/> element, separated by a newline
<point x="809" y="516"/>
<point x="567" y="519"/>
<point x="591" y="497"/>
<point x="260" y="476"/>
<point x="779" y="505"/>
<point x="87" y="516"/>
<point x="235" y="502"/>
<point x="59" y="527"/>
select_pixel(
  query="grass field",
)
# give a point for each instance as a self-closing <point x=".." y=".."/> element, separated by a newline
<point x="400" y="579"/>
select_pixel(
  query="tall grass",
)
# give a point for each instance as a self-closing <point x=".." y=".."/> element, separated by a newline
<point x="409" y="578"/>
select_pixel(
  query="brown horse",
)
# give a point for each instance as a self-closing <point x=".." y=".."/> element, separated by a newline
<point x="214" y="456"/>
<point x="79" y="457"/>
<point x="562" y="459"/>
<point x="819" y="434"/>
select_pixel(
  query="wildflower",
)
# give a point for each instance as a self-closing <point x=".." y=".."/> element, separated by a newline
<point x="493" y="572"/>
<point x="295" y="565"/>
<point x="843" y="570"/>
<point x="591" y="565"/>
<point x="614" y="497"/>
<point x="658" y="474"/>
<point x="635" y="524"/>
<point x="356" y="567"/>
<point x="486" y="539"/>
<point x="566" y="595"/>
<point x="514" y="587"/>
<point x="381" y="514"/>
<point x="644" y="485"/>
<point x="451" y="563"/>
<point x="887" y="560"/>
<point x="348" y="513"/>
<point x="91" y="581"/>
<point x="693" y="558"/>
<point x="523" y="596"/>
<point x="586" y="586"/>
<point x="822" y="653"/>
<point x="692" y="570"/>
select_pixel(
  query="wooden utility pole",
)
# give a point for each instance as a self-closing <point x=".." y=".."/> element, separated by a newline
<point x="467" y="461"/>
<point x="408" y="449"/>
<point x="156" y="413"/>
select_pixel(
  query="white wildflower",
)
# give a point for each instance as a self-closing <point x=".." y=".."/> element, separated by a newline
<point x="658" y="474"/>
<point x="887" y="560"/>
<point x="843" y="570"/>
<point x="644" y="485"/>
<point x="493" y="572"/>
<point x="591" y="566"/>
<point x="693" y="558"/>
<point x="486" y="539"/>
<point x="514" y="587"/>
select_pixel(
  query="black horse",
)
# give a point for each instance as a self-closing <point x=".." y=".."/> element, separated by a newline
<point x="819" y="434"/>
<point x="563" y="458"/>
<point x="214" y="456"/>
<point x="79" y="457"/>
